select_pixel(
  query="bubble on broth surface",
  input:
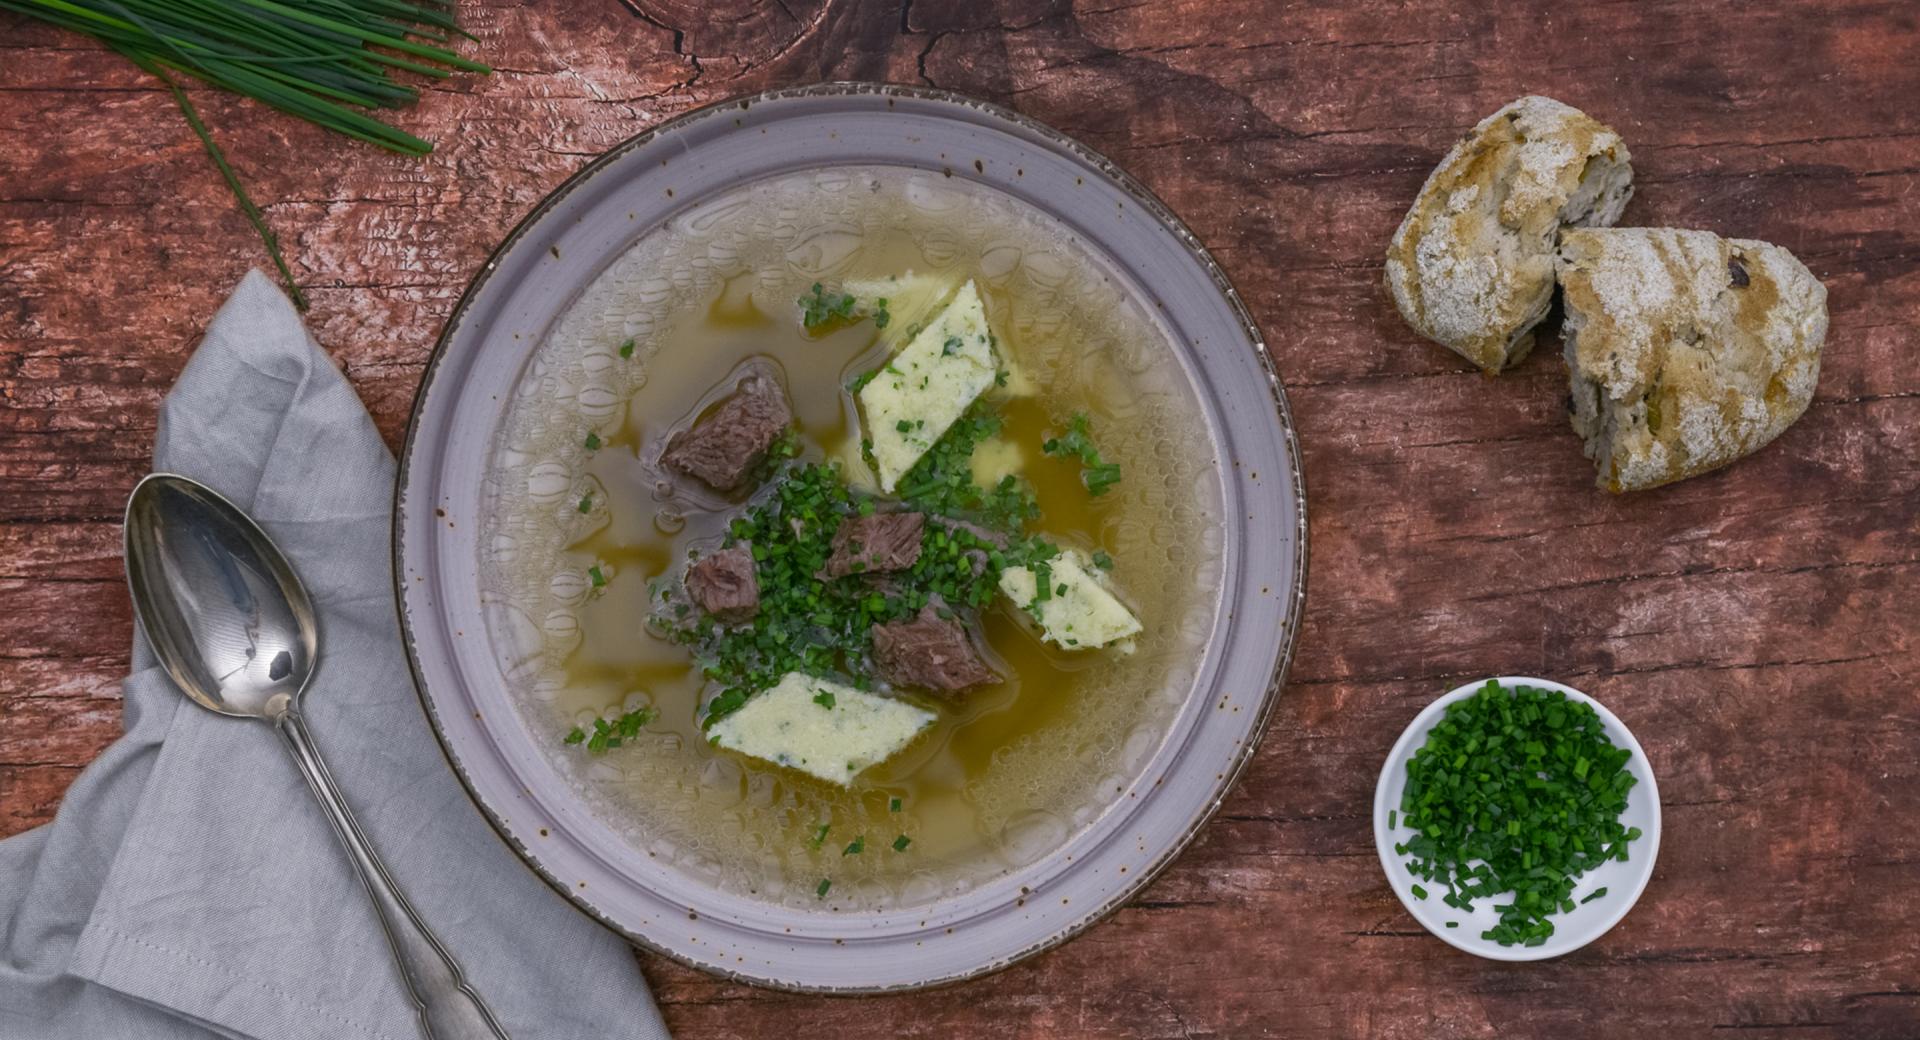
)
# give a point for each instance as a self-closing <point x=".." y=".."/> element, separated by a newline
<point x="1009" y="772"/>
<point x="503" y="548"/>
<point x="1029" y="836"/>
<point x="548" y="482"/>
<point x="518" y="643"/>
<point x="998" y="262"/>
<point x="598" y="402"/>
<point x="569" y="587"/>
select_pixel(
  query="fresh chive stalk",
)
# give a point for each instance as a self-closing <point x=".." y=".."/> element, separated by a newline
<point x="308" y="58"/>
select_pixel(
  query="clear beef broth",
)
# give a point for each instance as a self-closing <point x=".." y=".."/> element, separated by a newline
<point x="1010" y="769"/>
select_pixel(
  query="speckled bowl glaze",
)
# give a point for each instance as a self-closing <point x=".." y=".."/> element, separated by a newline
<point x="574" y="235"/>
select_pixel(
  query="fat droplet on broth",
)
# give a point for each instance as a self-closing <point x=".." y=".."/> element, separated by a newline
<point x="989" y="786"/>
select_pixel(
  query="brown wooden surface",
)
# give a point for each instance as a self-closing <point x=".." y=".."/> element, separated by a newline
<point x="1759" y="628"/>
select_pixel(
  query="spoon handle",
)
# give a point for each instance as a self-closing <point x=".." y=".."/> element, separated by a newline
<point x="449" y="1008"/>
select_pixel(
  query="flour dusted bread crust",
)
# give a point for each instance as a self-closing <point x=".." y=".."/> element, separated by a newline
<point x="1472" y="264"/>
<point x="1686" y="350"/>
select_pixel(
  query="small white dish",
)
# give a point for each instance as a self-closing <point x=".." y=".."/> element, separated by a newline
<point x="1587" y="921"/>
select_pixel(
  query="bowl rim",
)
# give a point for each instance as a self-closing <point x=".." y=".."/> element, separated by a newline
<point x="1396" y="761"/>
<point x="1293" y="610"/>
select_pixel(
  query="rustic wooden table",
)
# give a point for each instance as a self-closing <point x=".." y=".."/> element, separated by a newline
<point x="1759" y="628"/>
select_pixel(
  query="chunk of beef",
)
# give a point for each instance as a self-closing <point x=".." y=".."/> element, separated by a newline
<point x="723" y="448"/>
<point x="723" y="584"/>
<point x="872" y="544"/>
<point x="929" y="652"/>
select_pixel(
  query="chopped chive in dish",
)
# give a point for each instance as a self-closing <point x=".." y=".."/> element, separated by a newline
<point x="1516" y="791"/>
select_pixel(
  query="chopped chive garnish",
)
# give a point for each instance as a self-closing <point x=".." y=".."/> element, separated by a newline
<point x="855" y="847"/>
<point x="820" y="308"/>
<point x="819" y="836"/>
<point x="593" y="441"/>
<point x="820" y="890"/>
<point x="1077" y="443"/>
<point x="611" y="733"/>
<point x="893" y="805"/>
<point x="900" y="844"/>
<point x="586" y="503"/>
<point x="824" y="699"/>
<point x="626" y="349"/>
<point x="1593" y="895"/>
<point x="595" y="575"/>
<point x="322" y="62"/>
<point x="1419" y="893"/>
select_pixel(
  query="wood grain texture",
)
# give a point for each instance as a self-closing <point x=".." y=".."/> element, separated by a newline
<point x="1758" y="627"/>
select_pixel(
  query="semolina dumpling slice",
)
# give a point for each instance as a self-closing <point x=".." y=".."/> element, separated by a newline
<point x="822" y="728"/>
<point x="912" y="400"/>
<point x="1685" y="350"/>
<point x="1074" y="607"/>
<point x="1472" y="265"/>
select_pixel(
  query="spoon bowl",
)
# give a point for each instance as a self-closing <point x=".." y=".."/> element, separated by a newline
<point x="224" y="610"/>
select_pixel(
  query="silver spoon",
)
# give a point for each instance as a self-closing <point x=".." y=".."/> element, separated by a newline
<point x="232" y="624"/>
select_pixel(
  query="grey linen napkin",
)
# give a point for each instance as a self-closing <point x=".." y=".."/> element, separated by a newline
<point x="189" y="887"/>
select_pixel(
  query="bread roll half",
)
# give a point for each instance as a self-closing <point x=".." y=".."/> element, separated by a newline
<point x="1686" y="350"/>
<point x="1471" y="266"/>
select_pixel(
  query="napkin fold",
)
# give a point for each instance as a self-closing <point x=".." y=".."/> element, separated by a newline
<point x="189" y="887"/>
